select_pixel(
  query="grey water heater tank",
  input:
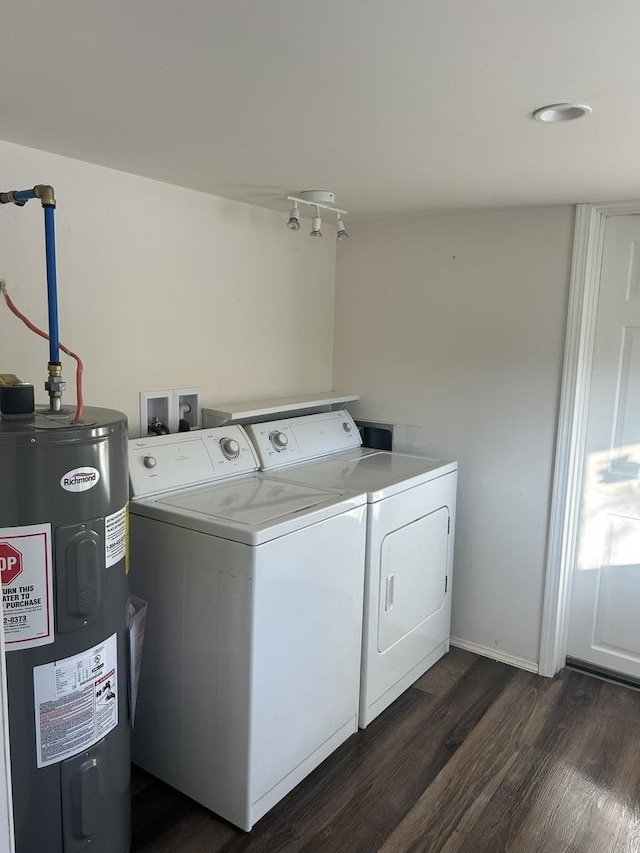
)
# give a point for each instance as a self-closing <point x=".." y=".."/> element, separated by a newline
<point x="63" y="532"/>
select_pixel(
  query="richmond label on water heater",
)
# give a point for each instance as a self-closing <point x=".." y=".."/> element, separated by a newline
<point x="80" y="479"/>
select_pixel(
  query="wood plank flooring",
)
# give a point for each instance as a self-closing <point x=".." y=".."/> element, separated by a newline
<point x="476" y="757"/>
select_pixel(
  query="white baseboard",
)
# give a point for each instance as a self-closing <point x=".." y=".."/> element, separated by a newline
<point x="495" y="654"/>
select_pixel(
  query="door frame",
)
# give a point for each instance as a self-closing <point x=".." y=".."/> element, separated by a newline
<point x="572" y="421"/>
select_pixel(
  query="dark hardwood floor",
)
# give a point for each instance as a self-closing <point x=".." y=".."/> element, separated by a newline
<point x="476" y="757"/>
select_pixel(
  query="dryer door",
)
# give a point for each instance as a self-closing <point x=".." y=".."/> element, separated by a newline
<point x="407" y="590"/>
<point x="412" y="576"/>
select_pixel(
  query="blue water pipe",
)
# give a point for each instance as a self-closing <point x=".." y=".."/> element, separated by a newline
<point x="45" y="193"/>
<point x="52" y="283"/>
<point x="22" y="196"/>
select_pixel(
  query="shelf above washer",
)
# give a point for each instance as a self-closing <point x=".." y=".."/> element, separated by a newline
<point x="264" y="410"/>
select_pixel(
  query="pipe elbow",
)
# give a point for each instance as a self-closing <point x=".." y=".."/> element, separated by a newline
<point x="46" y="195"/>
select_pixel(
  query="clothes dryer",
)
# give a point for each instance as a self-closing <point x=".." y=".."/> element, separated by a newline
<point x="251" y="660"/>
<point x="410" y="531"/>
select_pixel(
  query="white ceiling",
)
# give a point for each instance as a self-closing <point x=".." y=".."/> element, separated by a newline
<point x="398" y="106"/>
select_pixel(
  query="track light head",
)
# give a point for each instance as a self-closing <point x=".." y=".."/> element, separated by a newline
<point x="315" y="226"/>
<point x="294" y="219"/>
<point x="342" y="231"/>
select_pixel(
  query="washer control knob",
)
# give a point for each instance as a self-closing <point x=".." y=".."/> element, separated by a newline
<point x="230" y="448"/>
<point x="346" y="426"/>
<point x="279" y="440"/>
<point x="149" y="461"/>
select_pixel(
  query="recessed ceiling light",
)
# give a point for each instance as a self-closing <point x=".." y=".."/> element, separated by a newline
<point x="562" y="112"/>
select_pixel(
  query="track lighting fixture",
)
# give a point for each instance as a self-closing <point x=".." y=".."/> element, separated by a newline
<point x="320" y="200"/>
<point x="294" y="218"/>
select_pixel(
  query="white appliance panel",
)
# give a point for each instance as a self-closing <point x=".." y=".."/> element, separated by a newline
<point x="284" y="442"/>
<point x="192" y="712"/>
<point x="159" y="464"/>
<point x="413" y="576"/>
<point x="306" y="644"/>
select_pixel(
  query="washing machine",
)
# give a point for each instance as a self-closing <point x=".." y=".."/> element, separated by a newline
<point x="251" y="660"/>
<point x="410" y="522"/>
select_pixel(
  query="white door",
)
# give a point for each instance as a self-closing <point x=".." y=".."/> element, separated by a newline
<point x="604" y="628"/>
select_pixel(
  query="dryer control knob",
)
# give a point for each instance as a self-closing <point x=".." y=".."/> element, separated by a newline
<point x="230" y="448"/>
<point x="149" y="462"/>
<point x="279" y="440"/>
<point x="346" y="426"/>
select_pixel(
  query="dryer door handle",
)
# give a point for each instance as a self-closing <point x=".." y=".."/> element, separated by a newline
<point x="388" y="597"/>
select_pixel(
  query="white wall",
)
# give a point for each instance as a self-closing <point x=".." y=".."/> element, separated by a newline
<point x="163" y="287"/>
<point x="453" y="328"/>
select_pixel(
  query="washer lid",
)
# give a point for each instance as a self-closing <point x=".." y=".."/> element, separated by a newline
<point x="379" y="473"/>
<point x="250" y="500"/>
<point x="251" y="509"/>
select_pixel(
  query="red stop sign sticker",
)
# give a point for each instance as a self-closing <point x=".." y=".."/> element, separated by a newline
<point x="10" y="563"/>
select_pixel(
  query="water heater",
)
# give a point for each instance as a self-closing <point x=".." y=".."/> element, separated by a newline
<point x="63" y="562"/>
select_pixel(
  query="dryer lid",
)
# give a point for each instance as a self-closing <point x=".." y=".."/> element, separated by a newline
<point x="378" y="473"/>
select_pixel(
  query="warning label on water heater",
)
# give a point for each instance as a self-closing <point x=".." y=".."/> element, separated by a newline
<point x="27" y="586"/>
<point x="76" y="702"/>
<point x="115" y="538"/>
